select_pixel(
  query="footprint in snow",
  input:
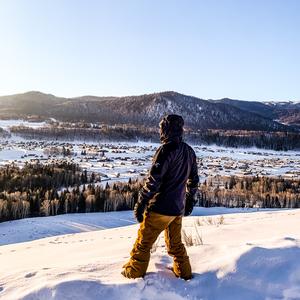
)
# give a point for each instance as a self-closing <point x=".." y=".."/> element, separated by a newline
<point x="29" y="275"/>
<point x="290" y="239"/>
<point x="166" y="260"/>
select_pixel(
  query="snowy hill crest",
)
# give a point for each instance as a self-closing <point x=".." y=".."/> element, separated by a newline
<point x="248" y="256"/>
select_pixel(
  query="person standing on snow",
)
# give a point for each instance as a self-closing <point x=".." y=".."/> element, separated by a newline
<point x="167" y="195"/>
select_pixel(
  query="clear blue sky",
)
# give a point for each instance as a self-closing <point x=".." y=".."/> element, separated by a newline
<point x="242" y="49"/>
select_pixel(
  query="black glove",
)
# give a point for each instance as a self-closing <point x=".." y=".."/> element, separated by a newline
<point x="189" y="204"/>
<point x="138" y="211"/>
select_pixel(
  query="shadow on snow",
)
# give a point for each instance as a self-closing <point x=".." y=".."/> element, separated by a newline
<point x="259" y="274"/>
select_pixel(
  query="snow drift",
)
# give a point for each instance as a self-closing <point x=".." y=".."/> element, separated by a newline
<point x="241" y="256"/>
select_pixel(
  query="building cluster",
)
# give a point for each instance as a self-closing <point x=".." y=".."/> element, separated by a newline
<point x="122" y="161"/>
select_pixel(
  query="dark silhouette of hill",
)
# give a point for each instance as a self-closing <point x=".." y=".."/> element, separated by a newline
<point x="148" y="110"/>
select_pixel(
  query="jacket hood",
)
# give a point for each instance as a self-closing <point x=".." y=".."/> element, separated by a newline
<point x="171" y="128"/>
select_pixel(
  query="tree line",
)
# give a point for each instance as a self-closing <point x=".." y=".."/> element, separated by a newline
<point x="47" y="190"/>
<point x="279" y="141"/>
<point x="249" y="191"/>
<point x="88" y="133"/>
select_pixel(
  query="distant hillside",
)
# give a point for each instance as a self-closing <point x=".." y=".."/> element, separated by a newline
<point x="146" y="110"/>
<point x="256" y="107"/>
<point x="287" y="112"/>
<point x="284" y="112"/>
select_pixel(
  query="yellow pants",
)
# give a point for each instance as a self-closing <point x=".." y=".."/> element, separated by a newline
<point x="152" y="225"/>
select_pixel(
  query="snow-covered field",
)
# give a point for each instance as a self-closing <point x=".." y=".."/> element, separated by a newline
<point x="131" y="160"/>
<point x="7" y="124"/>
<point x="244" y="256"/>
<point x="121" y="161"/>
<point x="30" y="229"/>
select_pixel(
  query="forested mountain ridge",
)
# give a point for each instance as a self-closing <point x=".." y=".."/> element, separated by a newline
<point x="148" y="109"/>
<point x="286" y="112"/>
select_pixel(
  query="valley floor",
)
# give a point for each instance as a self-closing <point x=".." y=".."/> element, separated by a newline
<point x="245" y="256"/>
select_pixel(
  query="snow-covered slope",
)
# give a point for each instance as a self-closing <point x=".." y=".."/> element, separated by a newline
<point x="30" y="229"/>
<point x="140" y="110"/>
<point x="243" y="256"/>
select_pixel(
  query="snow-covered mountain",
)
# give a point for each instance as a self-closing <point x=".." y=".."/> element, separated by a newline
<point x="238" y="256"/>
<point x="285" y="112"/>
<point x="140" y="110"/>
